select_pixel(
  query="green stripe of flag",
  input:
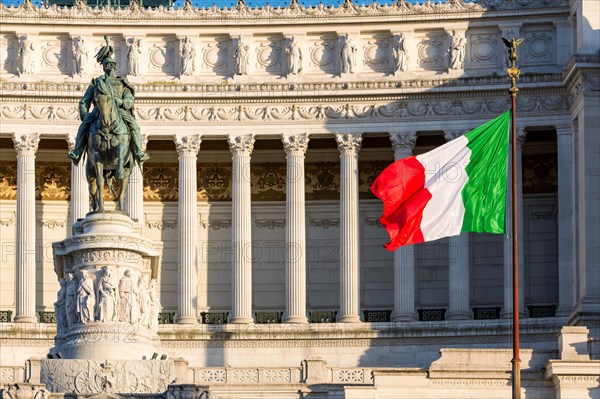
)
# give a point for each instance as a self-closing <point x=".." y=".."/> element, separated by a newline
<point x="484" y="195"/>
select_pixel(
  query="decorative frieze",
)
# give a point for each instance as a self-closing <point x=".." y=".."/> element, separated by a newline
<point x="377" y="110"/>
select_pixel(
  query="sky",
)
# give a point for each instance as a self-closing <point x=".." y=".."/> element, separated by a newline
<point x="250" y="3"/>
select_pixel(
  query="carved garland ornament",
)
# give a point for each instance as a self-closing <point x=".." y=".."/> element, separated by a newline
<point x="266" y="113"/>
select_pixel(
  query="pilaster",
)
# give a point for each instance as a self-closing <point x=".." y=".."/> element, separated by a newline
<point x="566" y="264"/>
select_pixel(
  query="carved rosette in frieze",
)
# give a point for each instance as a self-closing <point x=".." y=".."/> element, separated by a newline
<point x="540" y="45"/>
<point x="484" y="49"/>
<point x="377" y="54"/>
<point x="269" y="56"/>
<point x="323" y="55"/>
<point x="431" y="51"/>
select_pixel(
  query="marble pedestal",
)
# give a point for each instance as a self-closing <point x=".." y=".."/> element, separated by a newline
<point x="107" y="306"/>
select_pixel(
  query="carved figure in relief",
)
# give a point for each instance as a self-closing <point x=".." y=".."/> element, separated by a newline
<point x="400" y="54"/>
<point x="60" y="308"/>
<point x="348" y="55"/>
<point x="154" y="305"/>
<point x="187" y="55"/>
<point x="294" y="57"/>
<point x="143" y="299"/>
<point x="128" y="304"/>
<point x="457" y="51"/>
<point x="133" y="56"/>
<point x="80" y="56"/>
<point x="107" y="297"/>
<point x="71" y="300"/>
<point x="241" y="57"/>
<point x="109" y="132"/>
<point x="86" y="298"/>
<point x="26" y="59"/>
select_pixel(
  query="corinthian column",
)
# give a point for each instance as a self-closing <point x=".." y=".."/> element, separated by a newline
<point x="80" y="197"/>
<point x="26" y="146"/>
<point x="348" y="147"/>
<point x="403" y="144"/>
<point x="134" y="204"/>
<point x="508" y="254"/>
<point x="458" y="266"/>
<point x="241" y="284"/>
<point x="187" y="230"/>
<point x="295" y="229"/>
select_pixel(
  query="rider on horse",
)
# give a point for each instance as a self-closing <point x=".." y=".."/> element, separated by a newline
<point x="124" y="94"/>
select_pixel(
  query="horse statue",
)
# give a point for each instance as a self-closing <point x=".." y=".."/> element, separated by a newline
<point x="109" y="155"/>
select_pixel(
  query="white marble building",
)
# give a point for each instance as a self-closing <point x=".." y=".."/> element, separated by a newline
<point x="265" y="129"/>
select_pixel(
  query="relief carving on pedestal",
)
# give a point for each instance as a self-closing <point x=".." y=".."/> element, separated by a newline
<point x="89" y="296"/>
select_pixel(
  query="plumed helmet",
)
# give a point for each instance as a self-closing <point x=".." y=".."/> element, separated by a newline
<point x="105" y="52"/>
<point x="108" y="60"/>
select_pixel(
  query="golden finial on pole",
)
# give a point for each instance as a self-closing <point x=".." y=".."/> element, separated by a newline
<point x="513" y="73"/>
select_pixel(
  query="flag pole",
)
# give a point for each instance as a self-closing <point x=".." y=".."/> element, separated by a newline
<point x="513" y="73"/>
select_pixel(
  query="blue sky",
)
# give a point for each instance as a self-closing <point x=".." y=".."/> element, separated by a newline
<point x="251" y="3"/>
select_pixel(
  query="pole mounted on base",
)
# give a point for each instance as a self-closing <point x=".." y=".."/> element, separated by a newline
<point x="513" y="73"/>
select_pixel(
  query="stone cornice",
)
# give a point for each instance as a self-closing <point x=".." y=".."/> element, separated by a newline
<point x="239" y="14"/>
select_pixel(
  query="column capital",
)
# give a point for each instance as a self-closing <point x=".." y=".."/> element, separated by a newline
<point x="564" y="130"/>
<point x="403" y="143"/>
<point x="348" y="143"/>
<point x="295" y="144"/>
<point x="187" y="144"/>
<point x="450" y="135"/>
<point x="241" y="143"/>
<point x="26" y="143"/>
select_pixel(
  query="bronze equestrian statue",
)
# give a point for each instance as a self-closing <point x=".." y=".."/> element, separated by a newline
<point x="109" y="134"/>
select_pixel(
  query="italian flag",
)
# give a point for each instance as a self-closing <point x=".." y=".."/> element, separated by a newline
<point x="457" y="187"/>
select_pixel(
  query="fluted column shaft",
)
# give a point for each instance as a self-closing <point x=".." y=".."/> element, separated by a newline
<point x="403" y="144"/>
<point x="241" y="284"/>
<point x="349" y="147"/>
<point x="508" y="306"/>
<point x="26" y="146"/>
<point x="566" y="269"/>
<point x="187" y="229"/>
<point x="458" y="266"/>
<point x="295" y="229"/>
<point x="80" y="197"/>
<point x="134" y="204"/>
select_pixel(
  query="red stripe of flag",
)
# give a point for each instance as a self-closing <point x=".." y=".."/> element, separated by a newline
<point x="401" y="187"/>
